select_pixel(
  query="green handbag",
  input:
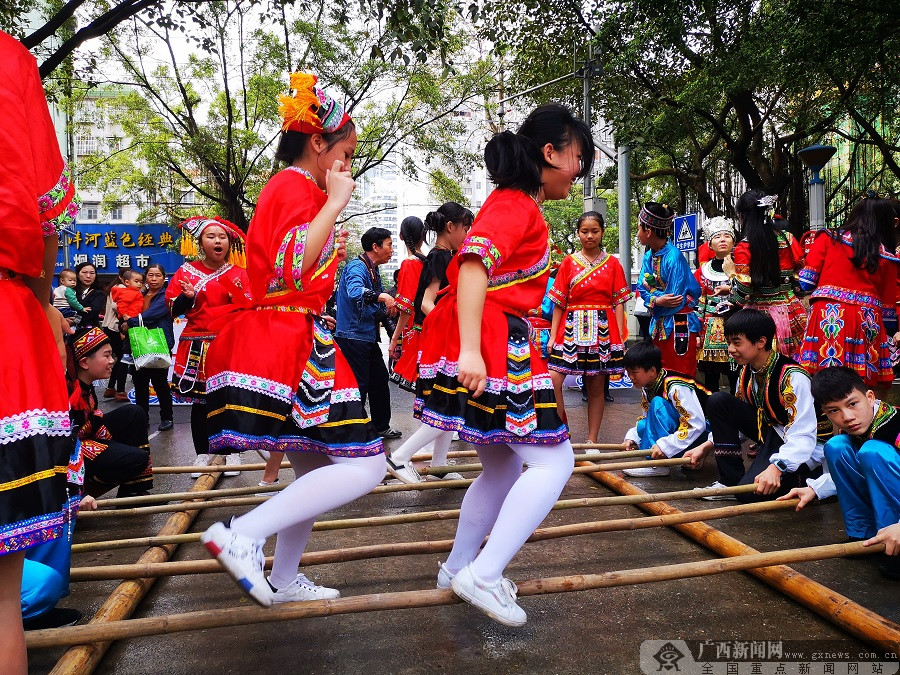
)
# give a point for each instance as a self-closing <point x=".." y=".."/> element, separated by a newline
<point x="149" y="347"/>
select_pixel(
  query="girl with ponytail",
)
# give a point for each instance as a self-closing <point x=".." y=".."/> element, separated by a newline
<point x="852" y="273"/>
<point x="449" y="224"/>
<point x="765" y="262"/>
<point x="478" y="373"/>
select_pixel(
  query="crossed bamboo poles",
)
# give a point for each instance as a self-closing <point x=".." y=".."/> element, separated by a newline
<point x="94" y="638"/>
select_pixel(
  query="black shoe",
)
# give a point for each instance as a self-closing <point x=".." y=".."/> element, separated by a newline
<point x="390" y="433"/>
<point x="890" y="566"/>
<point x="165" y="425"/>
<point x="609" y="399"/>
<point x="55" y="618"/>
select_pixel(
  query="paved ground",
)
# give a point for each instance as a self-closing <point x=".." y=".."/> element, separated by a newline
<point x="596" y="631"/>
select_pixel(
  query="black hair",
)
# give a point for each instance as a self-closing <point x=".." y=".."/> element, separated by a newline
<point x="372" y="236"/>
<point x="131" y="273"/>
<point x="644" y="355"/>
<point x="591" y="215"/>
<point x="871" y="222"/>
<point x="449" y="212"/>
<point x="412" y="232"/>
<point x="80" y="266"/>
<point x="752" y="324"/>
<point x="515" y="160"/>
<point x="759" y="231"/>
<point x="835" y="384"/>
<point x="292" y="143"/>
<point x="157" y="266"/>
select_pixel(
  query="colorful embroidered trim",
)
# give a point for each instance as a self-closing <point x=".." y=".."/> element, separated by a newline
<point x="511" y="278"/>
<point x="253" y="383"/>
<point x="846" y="295"/>
<point x="34" y="423"/>
<point x="484" y="248"/>
<point x="59" y="206"/>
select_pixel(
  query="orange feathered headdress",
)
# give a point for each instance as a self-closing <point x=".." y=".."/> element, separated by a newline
<point x="310" y="110"/>
<point x="193" y="230"/>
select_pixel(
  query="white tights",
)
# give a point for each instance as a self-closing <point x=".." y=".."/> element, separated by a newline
<point x="323" y="483"/>
<point x="508" y="504"/>
<point x="422" y="437"/>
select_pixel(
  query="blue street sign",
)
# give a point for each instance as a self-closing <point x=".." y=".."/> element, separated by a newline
<point x="110" y="248"/>
<point x="685" y="232"/>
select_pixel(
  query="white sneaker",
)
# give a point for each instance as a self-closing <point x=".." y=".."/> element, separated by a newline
<point x="202" y="460"/>
<point x="593" y="451"/>
<point x="455" y="436"/>
<point x="643" y="471"/>
<point x="717" y="498"/>
<point x="405" y="473"/>
<point x="497" y="600"/>
<point x="265" y="483"/>
<point x="453" y="475"/>
<point x="445" y="576"/>
<point x="264" y="454"/>
<point x="301" y="589"/>
<point x="242" y="558"/>
<point x="233" y="459"/>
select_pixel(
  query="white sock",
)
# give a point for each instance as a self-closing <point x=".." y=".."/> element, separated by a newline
<point x="422" y="437"/>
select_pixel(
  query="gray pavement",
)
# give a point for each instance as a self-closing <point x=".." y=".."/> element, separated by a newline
<point x="597" y="631"/>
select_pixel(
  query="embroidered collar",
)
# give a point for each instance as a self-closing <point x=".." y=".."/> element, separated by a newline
<point x="596" y="262"/>
<point x="657" y="383"/>
<point x="847" y="238"/>
<point x="302" y="172"/>
<point x="883" y="413"/>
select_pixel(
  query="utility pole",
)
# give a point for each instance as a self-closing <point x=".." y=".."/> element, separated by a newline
<point x="624" y="181"/>
<point x="586" y="82"/>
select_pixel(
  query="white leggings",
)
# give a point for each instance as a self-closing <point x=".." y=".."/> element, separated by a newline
<point x="422" y="437"/>
<point x="323" y="483"/>
<point x="508" y="504"/>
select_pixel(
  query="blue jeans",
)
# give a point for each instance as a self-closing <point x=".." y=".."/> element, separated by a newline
<point x="661" y="421"/>
<point x="867" y="482"/>
<point x="45" y="576"/>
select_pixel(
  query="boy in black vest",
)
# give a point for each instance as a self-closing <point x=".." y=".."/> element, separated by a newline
<point x="864" y="462"/>
<point x="673" y="420"/>
<point x="773" y="407"/>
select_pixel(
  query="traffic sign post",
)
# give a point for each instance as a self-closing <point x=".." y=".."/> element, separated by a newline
<point x="685" y="231"/>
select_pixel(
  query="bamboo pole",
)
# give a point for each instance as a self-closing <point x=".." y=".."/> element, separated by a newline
<point x="238" y="616"/>
<point x="840" y="610"/>
<point x="415" y="548"/>
<point x="423" y="516"/>
<point x="253" y="501"/>
<point x="259" y="466"/>
<point x="127" y="595"/>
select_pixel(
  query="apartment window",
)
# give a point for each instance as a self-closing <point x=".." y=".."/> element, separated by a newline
<point x="85" y="145"/>
<point x="115" y="213"/>
<point x="113" y="143"/>
<point x="90" y="211"/>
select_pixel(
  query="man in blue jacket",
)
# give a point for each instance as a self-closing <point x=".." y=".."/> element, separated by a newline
<point x="361" y="304"/>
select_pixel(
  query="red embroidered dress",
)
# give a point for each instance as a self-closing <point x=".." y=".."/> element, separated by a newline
<point x="406" y="368"/>
<point x="587" y="341"/>
<point x="779" y="301"/>
<point x="212" y="289"/>
<point x="37" y="198"/>
<point x="849" y="310"/>
<point x="510" y="238"/>
<point x="275" y="378"/>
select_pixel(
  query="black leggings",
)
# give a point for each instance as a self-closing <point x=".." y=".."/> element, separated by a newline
<point x="199" y="431"/>
<point x="159" y="377"/>
<point x="120" y="370"/>
<point x="125" y="459"/>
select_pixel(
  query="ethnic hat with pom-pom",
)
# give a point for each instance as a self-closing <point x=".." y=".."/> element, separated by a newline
<point x="310" y="110"/>
<point x="193" y="229"/>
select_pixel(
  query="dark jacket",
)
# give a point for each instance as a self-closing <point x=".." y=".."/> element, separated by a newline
<point x="94" y="302"/>
<point x="157" y="316"/>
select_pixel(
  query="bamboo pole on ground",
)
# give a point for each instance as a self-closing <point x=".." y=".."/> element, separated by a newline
<point x="103" y="572"/>
<point x="253" y="501"/>
<point x="127" y="595"/>
<point x="259" y="466"/>
<point x="238" y="616"/>
<point x="840" y="610"/>
<point x="423" y="516"/>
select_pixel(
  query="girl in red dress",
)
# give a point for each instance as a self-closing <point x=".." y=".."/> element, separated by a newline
<point x="588" y="326"/>
<point x="197" y="290"/>
<point x="276" y="380"/>
<point x="852" y="274"/>
<point x="404" y="345"/>
<point x="450" y="223"/>
<point x="765" y="262"/>
<point x="479" y="374"/>
<point x="38" y="497"/>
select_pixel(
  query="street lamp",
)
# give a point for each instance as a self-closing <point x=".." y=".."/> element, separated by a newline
<point x="815" y="157"/>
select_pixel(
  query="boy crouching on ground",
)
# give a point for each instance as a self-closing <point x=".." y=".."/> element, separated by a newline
<point x="863" y="461"/>
<point x="773" y="407"/>
<point x="673" y="420"/>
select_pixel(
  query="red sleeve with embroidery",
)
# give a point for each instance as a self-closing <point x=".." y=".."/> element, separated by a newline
<point x="407" y="284"/>
<point x="815" y="261"/>
<point x="621" y="289"/>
